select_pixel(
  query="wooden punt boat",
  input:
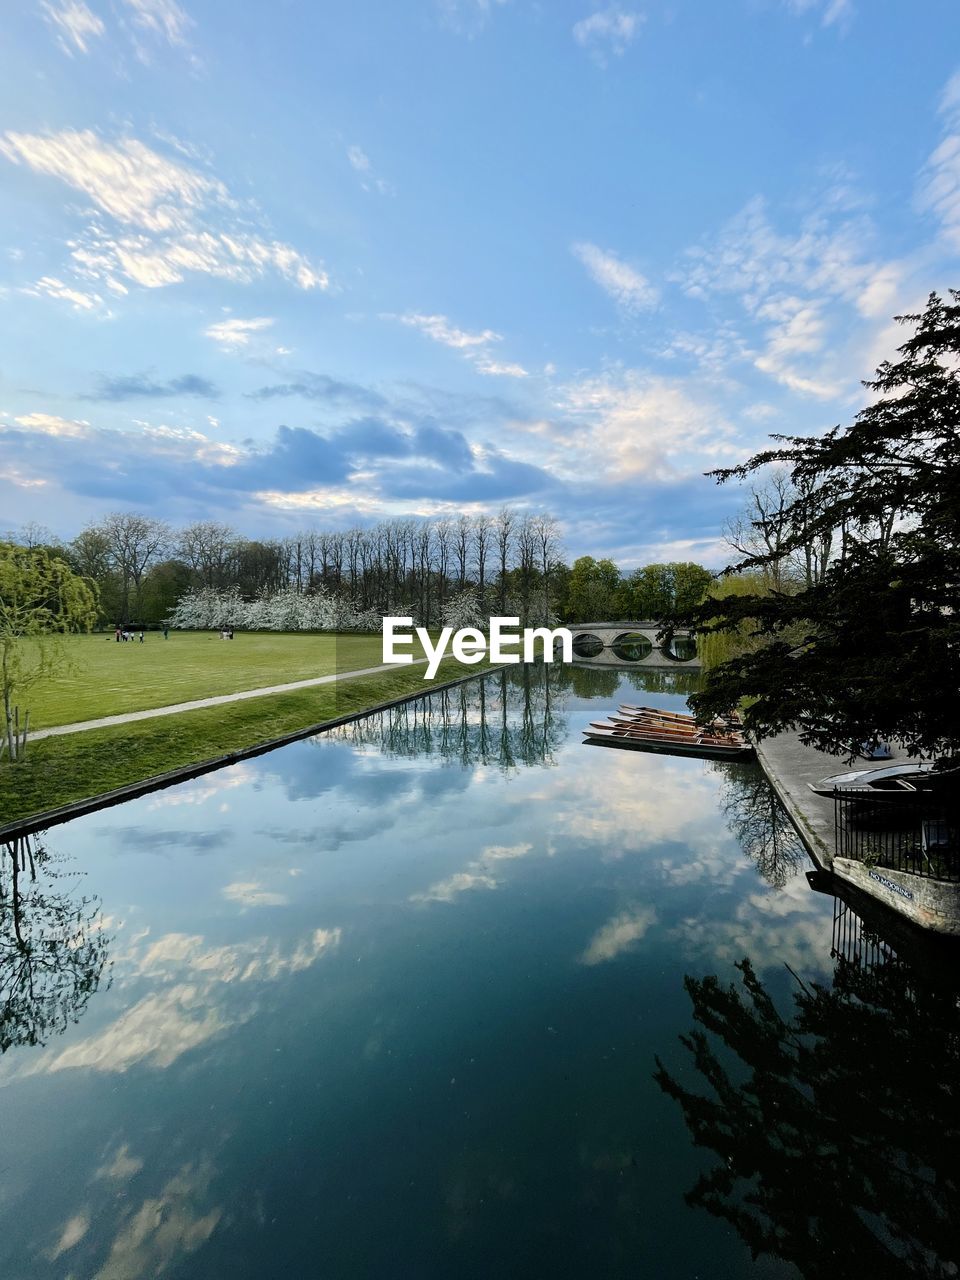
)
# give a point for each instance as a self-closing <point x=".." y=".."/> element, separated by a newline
<point x="673" y="732"/>
<point x="660" y="735"/>
<point x="732" y="720"/>
<point x="679" y="735"/>
<point x="702" y="747"/>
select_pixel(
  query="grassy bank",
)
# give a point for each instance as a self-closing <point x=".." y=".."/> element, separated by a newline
<point x="75" y="766"/>
<point x="108" y="679"/>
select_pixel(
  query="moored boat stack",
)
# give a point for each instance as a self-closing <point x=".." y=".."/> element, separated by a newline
<point x="639" y="728"/>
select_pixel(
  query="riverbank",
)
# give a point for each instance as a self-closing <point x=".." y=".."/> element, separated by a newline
<point x="789" y="765"/>
<point x="63" y="775"/>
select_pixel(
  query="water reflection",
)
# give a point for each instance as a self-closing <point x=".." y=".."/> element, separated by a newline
<point x="759" y="822"/>
<point x="836" y="1127"/>
<point x="595" y="682"/>
<point x="508" y="720"/>
<point x="53" y="949"/>
<point x="381" y="998"/>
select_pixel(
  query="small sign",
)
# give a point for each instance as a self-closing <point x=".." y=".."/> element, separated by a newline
<point x="891" y="885"/>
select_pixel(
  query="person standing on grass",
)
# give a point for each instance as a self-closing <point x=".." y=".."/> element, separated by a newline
<point x="141" y="635"/>
<point x="117" y="633"/>
<point x="166" y="632"/>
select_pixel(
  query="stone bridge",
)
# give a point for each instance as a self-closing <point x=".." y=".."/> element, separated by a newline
<point x="631" y="644"/>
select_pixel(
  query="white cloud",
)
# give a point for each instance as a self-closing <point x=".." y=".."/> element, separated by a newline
<point x="51" y="287"/>
<point x="798" y="329"/>
<point x="498" y="368"/>
<point x="75" y="24"/>
<point x="169" y="219"/>
<point x="467" y="17"/>
<point x="622" y="282"/>
<point x="474" y="346"/>
<point x="620" y="934"/>
<point x="360" y="161"/>
<point x="832" y="13"/>
<point x="48" y="424"/>
<point x="939" y="192"/>
<point x="790" y="284"/>
<point x="127" y="180"/>
<point x="608" y="30"/>
<point x="441" y="330"/>
<point x="162" y="18"/>
<point x="14" y="476"/>
<point x="632" y="424"/>
<point x="231" y="334"/>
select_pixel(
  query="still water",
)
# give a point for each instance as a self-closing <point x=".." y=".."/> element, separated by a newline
<point x="390" y="1002"/>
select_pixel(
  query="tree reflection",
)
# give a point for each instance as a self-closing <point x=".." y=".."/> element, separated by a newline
<point x="654" y="680"/>
<point x="759" y="822"/>
<point x="837" y="1130"/>
<point x="507" y="719"/>
<point x="592" y="682"/>
<point x="52" y="947"/>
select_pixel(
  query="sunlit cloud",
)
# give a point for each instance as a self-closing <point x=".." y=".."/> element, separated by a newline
<point x="51" y="287"/>
<point x="169" y="220"/>
<point x="231" y="334"/>
<point x="473" y="346"/>
<point x="49" y="424"/>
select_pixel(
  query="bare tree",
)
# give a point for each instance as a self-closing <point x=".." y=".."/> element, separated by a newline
<point x="503" y="532"/>
<point x="134" y="541"/>
<point x="208" y="548"/>
<point x="482" y="535"/>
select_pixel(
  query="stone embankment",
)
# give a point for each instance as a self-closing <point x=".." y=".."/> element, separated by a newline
<point x="789" y="765"/>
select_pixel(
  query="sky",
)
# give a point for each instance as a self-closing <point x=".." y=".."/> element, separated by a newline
<point x="297" y="264"/>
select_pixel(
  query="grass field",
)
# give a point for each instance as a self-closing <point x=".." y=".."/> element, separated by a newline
<point x="109" y="679"/>
<point x="76" y="766"/>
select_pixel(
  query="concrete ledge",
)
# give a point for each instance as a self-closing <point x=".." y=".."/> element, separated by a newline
<point x="933" y="904"/>
<point x="789" y="766"/>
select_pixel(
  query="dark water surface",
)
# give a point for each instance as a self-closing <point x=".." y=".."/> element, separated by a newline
<point x="389" y="1003"/>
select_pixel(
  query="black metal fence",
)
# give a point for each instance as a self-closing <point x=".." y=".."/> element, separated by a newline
<point x="915" y="833"/>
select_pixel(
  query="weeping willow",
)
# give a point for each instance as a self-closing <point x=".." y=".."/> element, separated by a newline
<point x="716" y="647"/>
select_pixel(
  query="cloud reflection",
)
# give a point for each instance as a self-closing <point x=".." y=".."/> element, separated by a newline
<point x="197" y="1006"/>
<point x="476" y="876"/>
<point x="620" y="934"/>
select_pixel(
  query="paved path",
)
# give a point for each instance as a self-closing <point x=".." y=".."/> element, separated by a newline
<point x="176" y="708"/>
<point x="790" y="765"/>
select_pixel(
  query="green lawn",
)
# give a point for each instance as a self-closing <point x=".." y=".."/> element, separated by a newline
<point x="108" y="679"/>
<point x="75" y="766"/>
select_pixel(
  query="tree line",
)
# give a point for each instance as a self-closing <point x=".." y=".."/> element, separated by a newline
<point x="510" y="562"/>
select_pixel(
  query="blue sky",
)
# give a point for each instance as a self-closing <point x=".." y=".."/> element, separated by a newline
<point x="297" y="263"/>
